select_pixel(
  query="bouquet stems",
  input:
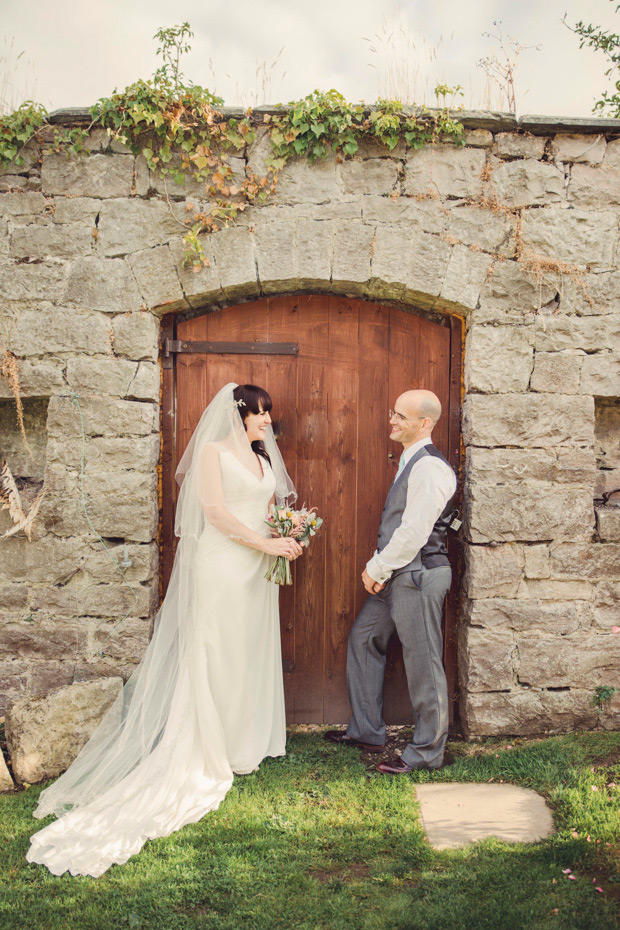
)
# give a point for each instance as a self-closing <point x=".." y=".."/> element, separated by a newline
<point x="280" y="571"/>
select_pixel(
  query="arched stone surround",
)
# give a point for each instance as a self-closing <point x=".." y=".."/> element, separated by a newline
<point x="91" y="258"/>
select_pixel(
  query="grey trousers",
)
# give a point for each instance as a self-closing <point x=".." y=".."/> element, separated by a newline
<point x="412" y="609"/>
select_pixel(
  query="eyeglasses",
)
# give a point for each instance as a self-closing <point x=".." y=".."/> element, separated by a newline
<point x="401" y="418"/>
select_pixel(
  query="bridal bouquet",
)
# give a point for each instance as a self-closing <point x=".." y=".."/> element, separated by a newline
<point x="301" y="525"/>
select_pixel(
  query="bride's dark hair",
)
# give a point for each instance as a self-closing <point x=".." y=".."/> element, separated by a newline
<point x="254" y="400"/>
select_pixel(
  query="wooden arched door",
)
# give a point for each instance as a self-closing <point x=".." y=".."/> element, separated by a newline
<point x="330" y="406"/>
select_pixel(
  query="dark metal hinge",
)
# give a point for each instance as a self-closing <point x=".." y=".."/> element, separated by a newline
<point x="176" y="346"/>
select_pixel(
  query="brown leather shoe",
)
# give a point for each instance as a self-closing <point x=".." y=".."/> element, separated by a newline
<point x="341" y="738"/>
<point x="398" y="767"/>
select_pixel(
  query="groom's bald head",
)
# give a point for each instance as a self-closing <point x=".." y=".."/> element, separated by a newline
<point x="420" y="403"/>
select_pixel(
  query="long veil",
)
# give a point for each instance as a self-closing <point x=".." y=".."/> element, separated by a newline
<point x="157" y="760"/>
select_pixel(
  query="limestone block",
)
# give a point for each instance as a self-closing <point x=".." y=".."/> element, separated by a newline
<point x="510" y="294"/>
<point x="95" y="600"/>
<point x="139" y="454"/>
<point x="527" y="712"/>
<point x="80" y="211"/>
<point x="28" y="158"/>
<point x="103" y="416"/>
<point x="45" y="734"/>
<point x="612" y="154"/>
<point x="521" y="512"/>
<point x="98" y="565"/>
<point x="519" y="145"/>
<point x="537" y="561"/>
<point x="563" y="465"/>
<point x="352" y="245"/>
<point x="45" y="281"/>
<point x="233" y="254"/>
<point x="142" y="177"/>
<point x="606" y="482"/>
<point x="127" y="642"/>
<point x="606" y="606"/>
<point x="595" y="561"/>
<point x="493" y="571"/>
<point x="42" y="639"/>
<point x="487" y="663"/>
<point x="23" y="204"/>
<point x="600" y="374"/>
<point x="45" y="676"/>
<point x="98" y="140"/>
<point x="527" y="183"/>
<point x="203" y="286"/>
<point x="12" y="183"/>
<point x="465" y="276"/>
<point x="120" y="503"/>
<point x="527" y="420"/>
<point x="13" y="681"/>
<point x="376" y="149"/>
<point x="531" y="616"/>
<point x="444" y="170"/>
<point x="136" y="335"/>
<point x="301" y="253"/>
<point x="55" y="329"/>
<point x="576" y="466"/>
<point x="6" y="782"/>
<point x="550" y="590"/>
<point x="53" y="241"/>
<point x="133" y="225"/>
<point x="556" y="373"/>
<point x="569" y="332"/>
<point x="576" y="237"/>
<point x="155" y="273"/>
<point x="259" y="151"/>
<point x="302" y="182"/>
<point x="13" y="596"/>
<point x="608" y="523"/>
<point x="594" y="187"/>
<point x="45" y="560"/>
<point x="420" y="264"/>
<point x="594" y="294"/>
<point x="575" y="661"/>
<point x="578" y="148"/>
<point x="139" y="380"/>
<point x="498" y="359"/>
<point x="405" y="212"/>
<point x="372" y="176"/>
<point x="105" y="284"/>
<point x="36" y="379"/>
<point x="478" y="138"/>
<point x="481" y="229"/>
<point x="87" y="175"/>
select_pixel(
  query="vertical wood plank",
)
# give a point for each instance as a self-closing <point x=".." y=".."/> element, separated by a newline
<point x="282" y="386"/>
<point x="342" y="427"/>
<point x="452" y="609"/>
<point x="313" y="330"/>
<point x="434" y="367"/>
<point x="168" y="461"/>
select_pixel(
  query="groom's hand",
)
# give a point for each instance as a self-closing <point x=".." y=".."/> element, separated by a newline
<point x="372" y="586"/>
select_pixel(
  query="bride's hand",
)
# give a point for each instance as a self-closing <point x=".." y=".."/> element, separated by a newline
<point x="283" y="545"/>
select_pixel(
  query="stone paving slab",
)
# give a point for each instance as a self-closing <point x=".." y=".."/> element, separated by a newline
<point x="456" y="814"/>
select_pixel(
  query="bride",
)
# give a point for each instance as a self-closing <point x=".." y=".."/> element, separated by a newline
<point x="207" y="699"/>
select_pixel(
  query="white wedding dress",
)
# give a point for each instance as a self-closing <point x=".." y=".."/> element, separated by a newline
<point x="223" y="715"/>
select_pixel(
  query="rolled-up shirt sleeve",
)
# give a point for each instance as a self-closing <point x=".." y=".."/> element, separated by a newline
<point x="430" y="486"/>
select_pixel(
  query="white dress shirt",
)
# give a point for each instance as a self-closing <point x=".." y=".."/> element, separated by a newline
<point x="430" y="486"/>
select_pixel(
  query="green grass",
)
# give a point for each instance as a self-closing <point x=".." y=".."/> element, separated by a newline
<point x="314" y="841"/>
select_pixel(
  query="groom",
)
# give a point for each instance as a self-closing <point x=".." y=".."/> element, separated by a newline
<point x="407" y="579"/>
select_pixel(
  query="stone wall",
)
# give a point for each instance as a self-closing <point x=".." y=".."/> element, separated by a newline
<point x="517" y="233"/>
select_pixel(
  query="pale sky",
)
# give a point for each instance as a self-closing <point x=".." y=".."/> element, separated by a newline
<point x="75" y="51"/>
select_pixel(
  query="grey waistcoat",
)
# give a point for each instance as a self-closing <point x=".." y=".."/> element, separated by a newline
<point x="434" y="552"/>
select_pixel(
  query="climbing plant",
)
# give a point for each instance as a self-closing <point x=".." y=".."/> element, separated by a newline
<point x="175" y="124"/>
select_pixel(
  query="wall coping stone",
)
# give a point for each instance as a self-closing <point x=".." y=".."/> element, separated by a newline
<point x="471" y="119"/>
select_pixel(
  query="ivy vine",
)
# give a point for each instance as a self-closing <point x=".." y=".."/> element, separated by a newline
<point x="176" y="126"/>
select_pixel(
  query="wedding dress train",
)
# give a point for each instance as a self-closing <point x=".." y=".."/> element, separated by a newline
<point x="206" y="702"/>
